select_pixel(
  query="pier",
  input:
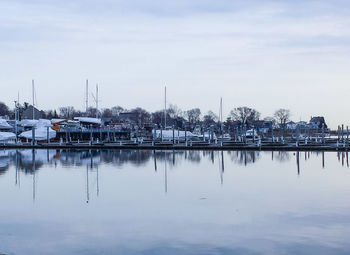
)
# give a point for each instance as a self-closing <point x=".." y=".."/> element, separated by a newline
<point x="330" y="144"/>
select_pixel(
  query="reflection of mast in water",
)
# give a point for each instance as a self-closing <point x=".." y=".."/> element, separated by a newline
<point x="305" y="155"/>
<point x="165" y="175"/>
<point x="33" y="169"/>
<point x="323" y="159"/>
<point x="87" y="184"/>
<point x="18" y="179"/>
<point x="347" y="159"/>
<point x="342" y="158"/>
<point x="48" y="155"/>
<point x="298" y="166"/>
<point x="222" y="168"/>
<point x="155" y="160"/>
<point x="272" y="155"/>
<point x="97" y="183"/>
<point x="212" y="156"/>
<point x="173" y="157"/>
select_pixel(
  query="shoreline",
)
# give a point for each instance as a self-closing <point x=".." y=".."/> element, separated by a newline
<point x="167" y="146"/>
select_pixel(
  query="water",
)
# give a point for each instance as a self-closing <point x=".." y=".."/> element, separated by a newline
<point x="145" y="202"/>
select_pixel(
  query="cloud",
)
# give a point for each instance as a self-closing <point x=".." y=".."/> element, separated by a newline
<point x="215" y="47"/>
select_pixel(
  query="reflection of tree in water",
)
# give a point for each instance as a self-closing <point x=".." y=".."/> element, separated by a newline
<point x="244" y="157"/>
<point x="121" y="157"/>
<point x="282" y="156"/>
<point x="28" y="161"/>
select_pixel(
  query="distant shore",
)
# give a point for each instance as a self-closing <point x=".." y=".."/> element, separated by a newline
<point x="194" y="146"/>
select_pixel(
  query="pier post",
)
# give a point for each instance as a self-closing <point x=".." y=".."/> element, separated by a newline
<point x="48" y="135"/>
<point x="272" y="138"/>
<point x="91" y="137"/>
<point x="323" y="139"/>
<point x="204" y="134"/>
<point x="253" y="134"/>
<point x="33" y="136"/>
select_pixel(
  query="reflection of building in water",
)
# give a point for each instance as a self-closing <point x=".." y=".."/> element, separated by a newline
<point x="244" y="157"/>
<point x="281" y="156"/>
<point x="5" y="160"/>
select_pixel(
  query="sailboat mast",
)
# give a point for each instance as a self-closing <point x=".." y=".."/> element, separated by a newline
<point x="33" y="98"/>
<point x="165" y="107"/>
<point x="220" y="115"/>
<point x="96" y="100"/>
<point x="87" y="95"/>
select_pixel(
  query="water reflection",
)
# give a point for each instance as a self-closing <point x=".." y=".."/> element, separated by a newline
<point x="173" y="202"/>
<point x="30" y="161"/>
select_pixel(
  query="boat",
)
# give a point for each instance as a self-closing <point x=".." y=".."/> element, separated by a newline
<point x="251" y="134"/>
<point x="179" y="135"/>
<point x="7" y="137"/>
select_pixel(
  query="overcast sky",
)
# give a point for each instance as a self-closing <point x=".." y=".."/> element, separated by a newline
<point x="263" y="54"/>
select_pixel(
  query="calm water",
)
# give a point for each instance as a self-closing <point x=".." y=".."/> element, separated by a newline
<point x="145" y="202"/>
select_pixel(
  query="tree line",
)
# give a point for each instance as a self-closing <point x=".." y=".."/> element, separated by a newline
<point x="244" y="115"/>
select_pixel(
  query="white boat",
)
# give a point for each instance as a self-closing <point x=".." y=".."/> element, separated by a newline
<point x="225" y="137"/>
<point x="7" y="136"/>
<point x="251" y="134"/>
<point x="179" y="135"/>
<point x="40" y="134"/>
<point x="89" y="120"/>
<point x="4" y="124"/>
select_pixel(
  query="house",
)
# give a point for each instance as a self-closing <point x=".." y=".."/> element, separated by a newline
<point x="28" y="113"/>
<point x="318" y="122"/>
<point x="262" y="125"/>
<point x="131" y="117"/>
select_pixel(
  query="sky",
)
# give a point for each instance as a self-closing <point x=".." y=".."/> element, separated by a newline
<point x="266" y="55"/>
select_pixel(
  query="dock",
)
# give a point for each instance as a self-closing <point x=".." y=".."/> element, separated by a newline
<point x="327" y="145"/>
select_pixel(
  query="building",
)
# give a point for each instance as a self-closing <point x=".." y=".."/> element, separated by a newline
<point x="28" y="113"/>
<point x="318" y="122"/>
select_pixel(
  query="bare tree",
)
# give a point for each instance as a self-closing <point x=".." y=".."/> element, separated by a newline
<point x="282" y="116"/>
<point x="244" y="114"/>
<point x="4" y="110"/>
<point x="107" y="113"/>
<point x="157" y="117"/>
<point x="174" y="111"/>
<point x="92" y="112"/>
<point x="142" y="116"/>
<point x="67" y="112"/>
<point x="210" y="118"/>
<point x="116" y="110"/>
<point x="193" y="115"/>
